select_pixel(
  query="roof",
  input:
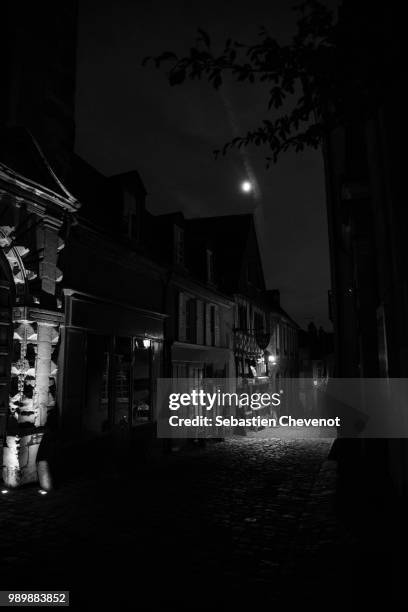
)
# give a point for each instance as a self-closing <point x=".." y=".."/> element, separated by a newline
<point x="90" y="186"/>
<point x="228" y="235"/>
<point x="21" y="153"/>
<point x="102" y="196"/>
<point x="279" y="310"/>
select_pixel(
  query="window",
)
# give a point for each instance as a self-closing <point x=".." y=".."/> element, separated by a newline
<point x="191" y="320"/>
<point x="133" y="215"/>
<point x="196" y="374"/>
<point x="210" y="266"/>
<point x="180" y="370"/>
<point x="118" y="389"/>
<point x="178" y="245"/>
<point x="212" y="325"/>
<point x="252" y="273"/>
<point x="134" y="227"/>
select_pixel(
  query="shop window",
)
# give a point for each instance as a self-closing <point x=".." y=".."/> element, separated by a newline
<point x="95" y="417"/>
<point x="120" y="381"/>
<point x="141" y="396"/>
<point x="123" y="360"/>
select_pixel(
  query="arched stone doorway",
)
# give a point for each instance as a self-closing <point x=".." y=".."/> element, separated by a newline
<point x="36" y="211"/>
<point x="28" y="341"/>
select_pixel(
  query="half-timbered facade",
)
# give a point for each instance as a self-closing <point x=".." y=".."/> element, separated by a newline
<point x="239" y="274"/>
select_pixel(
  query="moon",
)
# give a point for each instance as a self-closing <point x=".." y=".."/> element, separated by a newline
<point x="246" y="187"/>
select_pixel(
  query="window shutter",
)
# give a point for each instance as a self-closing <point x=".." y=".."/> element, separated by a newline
<point x="200" y="322"/>
<point x="208" y="324"/>
<point x="182" y="317"/>
<point x="217" y="326"/>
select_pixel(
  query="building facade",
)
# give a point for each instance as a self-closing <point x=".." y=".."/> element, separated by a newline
<point x="112" y="341"/>
<point x="367" y="219"/>
<point x="199" y="315"/>
<point x="233" y="244"/>
<point x="316" y="356"/>
<point x="100" y="298"/>
<point x="264" y="337"/>
<point x="37" y="212"/>
<point x="283" y="348"/>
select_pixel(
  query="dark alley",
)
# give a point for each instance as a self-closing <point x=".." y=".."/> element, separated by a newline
<point x="246" y="520"/>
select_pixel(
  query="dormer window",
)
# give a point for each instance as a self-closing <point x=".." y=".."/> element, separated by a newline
<point x="210" y="265"/>
<point x="178" y="245"/>
<point x="134" y="227"/>
<point x="132" y="215"/>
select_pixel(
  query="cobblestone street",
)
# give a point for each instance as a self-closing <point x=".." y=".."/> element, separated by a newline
<point x="244" y="520"/>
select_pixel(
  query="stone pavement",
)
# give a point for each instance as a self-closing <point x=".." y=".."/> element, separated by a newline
<point x="249" y="520"/>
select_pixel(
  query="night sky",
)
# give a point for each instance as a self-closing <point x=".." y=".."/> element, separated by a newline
<point x="128" y="117"/>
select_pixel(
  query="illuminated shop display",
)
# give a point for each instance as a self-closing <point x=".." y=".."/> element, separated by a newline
<point x="131" y="370"/>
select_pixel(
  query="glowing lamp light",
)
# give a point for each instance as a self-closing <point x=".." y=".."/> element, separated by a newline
<point x="315" y="383"/>
<point x="246" y="186"/>
<point x="4" y="491"/>
<point x="146" y="343"/>
<point x="42" y="492"/>
<point x="272" y="359"/>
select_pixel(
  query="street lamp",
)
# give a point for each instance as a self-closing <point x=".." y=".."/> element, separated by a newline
<point x="146" y="343"/>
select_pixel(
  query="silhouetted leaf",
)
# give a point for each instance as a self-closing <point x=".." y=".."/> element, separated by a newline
<point x="205" y="37"/>
<point x="317" y="72"/>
